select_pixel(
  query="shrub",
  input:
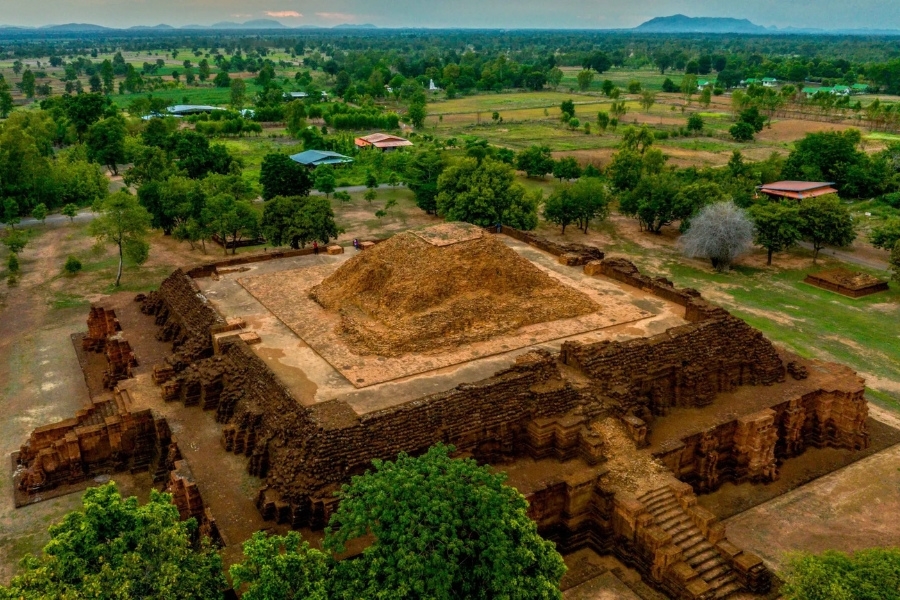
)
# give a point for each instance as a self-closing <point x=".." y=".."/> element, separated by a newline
<point x="13" y="263"/>
<point x="72" y="266"/>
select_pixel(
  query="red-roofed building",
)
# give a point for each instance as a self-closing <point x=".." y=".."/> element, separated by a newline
<point x="382" y="141"/>
<point x="797" y="190"/>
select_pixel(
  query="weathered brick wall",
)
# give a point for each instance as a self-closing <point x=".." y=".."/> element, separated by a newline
<point x="104" y="438"/>
<point x="684" y="366"/>
<point x="751" y="448"/>
<point x="582" y="252"/>
<point x="184" y="316"/>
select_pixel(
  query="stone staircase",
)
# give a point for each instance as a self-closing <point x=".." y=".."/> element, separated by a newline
<point x="698" y="552"/>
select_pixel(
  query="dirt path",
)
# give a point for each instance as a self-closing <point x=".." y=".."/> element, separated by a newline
<point x="41" y="383"/>
<point x="850" y="257"/>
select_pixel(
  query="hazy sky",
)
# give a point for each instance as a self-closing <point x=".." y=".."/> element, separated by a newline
<point x="828" y="14"/>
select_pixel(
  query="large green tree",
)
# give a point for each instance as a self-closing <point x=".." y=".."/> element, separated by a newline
<point x="656" y="202"/>
<point x="106" y="143"/>
<point x="115" y="549"/>
<point x="478" y="193"/>
<point x="6" y="100"/>
<point x="872" y="574"/>
<point x="282" y="176"/>
<point x="536" y="161"/>
<point x="123" y="222"/>
<point x="422" y="173"/>
<point x="440" y="528"/>
<point x="299" y="220"/>
<point x="198" y="158"/>
<point x="282" y="568"/>
<point x="231" y="219"/>
<point x="777" y="226"/>
<point x="824" y="221"/>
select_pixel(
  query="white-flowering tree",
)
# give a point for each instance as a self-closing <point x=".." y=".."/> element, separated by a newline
<point x="720" y="232"/>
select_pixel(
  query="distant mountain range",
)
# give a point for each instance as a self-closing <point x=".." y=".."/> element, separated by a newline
<point x="683" y="24"/>
<point x="673" y="24"/>
<point x="254" y="24"/>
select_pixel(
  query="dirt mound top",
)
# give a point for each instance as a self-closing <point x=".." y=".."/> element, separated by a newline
<point x="409" y="295"/>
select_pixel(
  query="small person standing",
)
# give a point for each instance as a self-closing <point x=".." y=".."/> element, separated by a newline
<point x="315" y="247"/>
<point x="356" y="244"/>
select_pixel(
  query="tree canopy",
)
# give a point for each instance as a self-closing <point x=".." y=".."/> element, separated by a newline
<point x="479" y="193"/>
<point x="282" y="176"/>
<point x="299" y="220"/>
<point x="872" y="574"/>
<point x="824" y="221"/>
<point x="777" y="226"/>
<point x="115" y="549"/>
<point x="122" y="222"/>
<point x="473" y="538"/>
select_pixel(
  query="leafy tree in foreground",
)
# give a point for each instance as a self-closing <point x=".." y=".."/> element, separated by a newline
<point x="566" y="168"/>
<point x="561" y="208"/>
<point x="70" y="210"/>
<point x="442" y="528"/>
<point x="115" y="549"/>
<point x="536" y="161"/>
<point x="279" y="567"/>
<point x="106" y="143"/>
<point x="720" y="232"/>
<point x="325" y="181"/>
<point x="864" y="575"/>
<point x="299" y="220"/>
<point x="282" y="176"/>
<point x="422" y="173"/>
<point x="655" y="202"/>
<point x="231" y="219"/>
<point x="824" y="221"/>
<point x="777" y="226"/>
<point x="478" y="193"/>
<point x="124" y="223"/>
<point x="39" y="212"/>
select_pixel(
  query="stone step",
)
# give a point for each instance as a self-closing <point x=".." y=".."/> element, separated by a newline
<point x="657" y="493"/>
<point x="661" y="505"/>
<point x="713" y="574"/>
<point x="722" y="581"/>
<point x="680" y="528"/>
<point x="662" y="517"/>
<point x="708" y="564"/>
<point x="688" y="538"/>
<point x="728" y="589"/>
<point x="700" y="548"/>
<point x="674" y="521"/>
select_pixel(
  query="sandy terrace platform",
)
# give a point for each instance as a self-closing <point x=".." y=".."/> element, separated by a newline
<point x="299" y="344"/>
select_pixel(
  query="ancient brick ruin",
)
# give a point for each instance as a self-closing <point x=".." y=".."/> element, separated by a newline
<point x="848" y="283"/>
<point x="610" y="441"/>
<point x="104" y="438"/>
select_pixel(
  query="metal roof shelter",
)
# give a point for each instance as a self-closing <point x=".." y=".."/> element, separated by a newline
<point x="382" y="141"/>
<point x="314" y="158"/>
<point x="797" y="190"/>
<point x="191" y="109"/>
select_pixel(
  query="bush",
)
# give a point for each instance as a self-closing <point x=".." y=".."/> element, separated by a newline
<point x="72" y="266"/>
<point x="742" y="132"/>
<point x="892" y="200"/>
<point x="695" y="123"/>
<point x="13" y="263"/>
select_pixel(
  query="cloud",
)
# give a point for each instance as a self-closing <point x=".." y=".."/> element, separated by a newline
<point x="330" y="16"/>
<point x="240" y="16"/>
<point x="284" y="14"/>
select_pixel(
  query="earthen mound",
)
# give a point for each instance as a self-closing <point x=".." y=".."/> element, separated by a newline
<point x="415" y="294"/>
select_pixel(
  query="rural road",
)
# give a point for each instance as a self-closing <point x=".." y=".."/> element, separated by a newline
<point x="849" y="257"/>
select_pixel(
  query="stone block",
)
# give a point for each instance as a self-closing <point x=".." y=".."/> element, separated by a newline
<point x="250" y="337"/>
<point x="366" y="245"/>
<point x="335" y="249"/>
<point x="594" y="267"/>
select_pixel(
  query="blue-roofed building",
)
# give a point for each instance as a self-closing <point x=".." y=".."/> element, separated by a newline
<point x="314" y="158"/>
